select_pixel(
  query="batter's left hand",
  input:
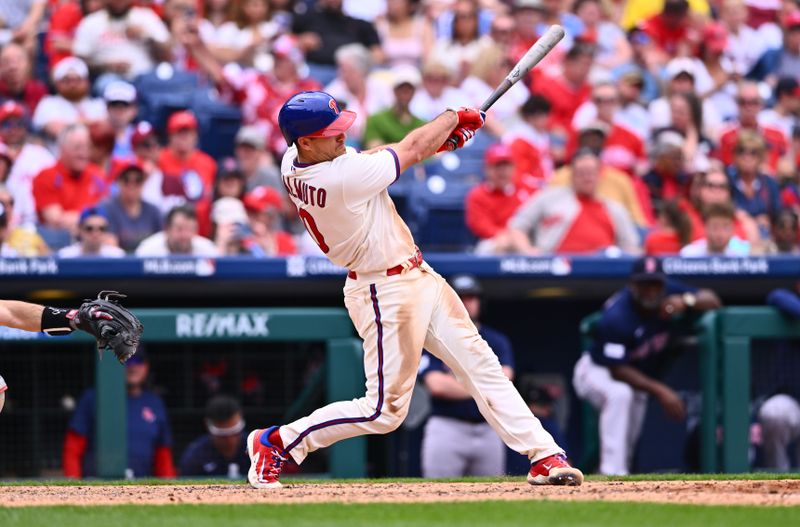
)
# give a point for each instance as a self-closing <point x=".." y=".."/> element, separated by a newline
<point x="457" y="139"/>
<point x="470" y="118"/>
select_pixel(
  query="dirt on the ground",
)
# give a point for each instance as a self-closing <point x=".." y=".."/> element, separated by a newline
<point x="775" y="493"/>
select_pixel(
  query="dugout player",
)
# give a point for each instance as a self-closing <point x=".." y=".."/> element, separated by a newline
<point x="221" y="452"/>
<point x="632" y="346"/>
<point x="457" y="440"/>
<point x="396" y="301"/>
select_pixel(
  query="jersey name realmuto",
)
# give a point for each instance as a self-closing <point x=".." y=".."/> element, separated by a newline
<point x="346" y="208"/>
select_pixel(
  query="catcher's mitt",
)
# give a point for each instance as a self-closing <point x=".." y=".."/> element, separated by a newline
<point x="111" y="324"/>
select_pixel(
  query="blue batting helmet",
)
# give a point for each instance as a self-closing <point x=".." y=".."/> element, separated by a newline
<point x="313" y="114"/>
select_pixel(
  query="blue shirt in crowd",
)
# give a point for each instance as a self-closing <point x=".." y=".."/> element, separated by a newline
<point x="466" y="409"/>
<point x="148" y="428"/>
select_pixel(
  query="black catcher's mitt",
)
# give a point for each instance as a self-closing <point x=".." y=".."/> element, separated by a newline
<point x="111" y="324"/>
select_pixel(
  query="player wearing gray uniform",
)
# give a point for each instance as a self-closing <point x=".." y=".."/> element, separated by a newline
<point x="396" y="301"/>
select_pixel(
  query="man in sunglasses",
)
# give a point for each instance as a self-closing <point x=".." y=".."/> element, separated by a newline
<point x="130" y="217"/>
<point x="92" y="237"/>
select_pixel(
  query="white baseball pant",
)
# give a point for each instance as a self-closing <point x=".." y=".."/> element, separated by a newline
<point x="622" y="411"/>
<point x="397" y="316"/>
<point x="779" y="417"/>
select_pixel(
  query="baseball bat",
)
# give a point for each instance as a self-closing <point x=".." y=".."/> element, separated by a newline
<point x="531" y="58"/>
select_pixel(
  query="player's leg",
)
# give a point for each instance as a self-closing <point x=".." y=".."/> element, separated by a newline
<point x="613" y="399"/>
<point x="637" y="415"/>
<point x="780" y="425"/>
<point x="445" y="448"/>
<point x="454" y="338"/>
<point x="385" y="315"/>
<point x="488" y="452"/>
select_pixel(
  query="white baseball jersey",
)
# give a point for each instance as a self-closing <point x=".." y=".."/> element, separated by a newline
<point x="346" y="208"/>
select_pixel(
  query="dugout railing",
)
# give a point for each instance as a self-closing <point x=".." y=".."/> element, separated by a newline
<point x="342" y="373"/>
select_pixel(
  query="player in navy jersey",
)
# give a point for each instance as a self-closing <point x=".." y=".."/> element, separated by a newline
<point x="222" y="451"/>
<point x="632" y="347"/>
<point x="149" y="434"/>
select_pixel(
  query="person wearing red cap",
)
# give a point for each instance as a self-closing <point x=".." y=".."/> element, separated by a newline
<point x="29" y="158"/>
<point x="146" y="152"/>
<point x="188" y="172"/>
<point x="71" y="185"/>
<point x="16" y="81"/>
<point x="491" y="204"/>
<point x="264" y="206"/>
<point x="130" y="218"/>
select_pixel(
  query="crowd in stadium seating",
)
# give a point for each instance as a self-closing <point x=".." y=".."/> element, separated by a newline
<point x="149" y="127"/>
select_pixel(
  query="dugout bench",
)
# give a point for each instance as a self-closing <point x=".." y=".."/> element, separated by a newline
<point x="724" y="340"/>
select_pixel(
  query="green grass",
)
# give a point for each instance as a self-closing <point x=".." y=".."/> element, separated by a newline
<point x="755" y="476"/>
<point x="505" y="514"/>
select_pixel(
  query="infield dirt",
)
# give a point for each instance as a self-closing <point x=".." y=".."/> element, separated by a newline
<point x="770" y="493"/>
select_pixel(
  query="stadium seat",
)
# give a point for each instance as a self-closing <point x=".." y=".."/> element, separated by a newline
<point x="164" y="91"/>
<point x="218" y="122"/>
<point x="438" y="210"/>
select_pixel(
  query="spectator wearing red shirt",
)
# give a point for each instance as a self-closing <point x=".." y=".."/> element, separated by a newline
<point x="491" y="204"/>
<point x="62" y="191"/>
<point x="531" y="147"/>
<point x="65" y="18"/>
<point x="264" y="208"/>
<point x="16" y="82"/>
<point x="673" y="232"/>
<point x="573" y="219"/>
<point x="670" y="28"/>
<point x="188" y="172"/>
<point x="567" y="91"/>
<point x="750" y="105"/>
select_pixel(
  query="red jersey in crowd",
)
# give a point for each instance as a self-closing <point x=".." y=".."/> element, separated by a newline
<point x="564" y="98"/>
<point x="592" y="229"/>
<point x="56" y="186"/>
<point x="488" y="209"/>
<point x="191" y="178"/>
<point x="777" y="144"/>
<point x="665" y="37"/>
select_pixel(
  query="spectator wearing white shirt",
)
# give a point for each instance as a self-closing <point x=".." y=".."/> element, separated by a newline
<point x="744" y="45"/>
<point x="92" y="237"/>
<point x="720" y="240"/>
<point x="28" y="160"/>
<point x="71" y="104"/>
<point x="122" y="39"/>
<point x="436" y="92"/>
<point x="246" y="38"/>
<point x="179" y="237"/>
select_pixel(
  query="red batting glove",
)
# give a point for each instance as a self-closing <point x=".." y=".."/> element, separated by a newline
<point x="471" y="118"/>
<point x="457" y="139"/>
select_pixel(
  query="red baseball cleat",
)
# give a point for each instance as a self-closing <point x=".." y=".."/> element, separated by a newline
<point x="266" y="461"/>
<point x="554" y="470"/>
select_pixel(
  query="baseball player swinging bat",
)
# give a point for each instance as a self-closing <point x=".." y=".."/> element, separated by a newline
<point x="531" y="58"/>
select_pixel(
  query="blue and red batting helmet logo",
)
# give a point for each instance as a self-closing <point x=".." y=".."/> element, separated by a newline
<point x="334" y="106"/>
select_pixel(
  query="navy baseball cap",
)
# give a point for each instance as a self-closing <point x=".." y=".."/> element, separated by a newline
<point x="648" y="269"/>
<point x="140" y="357"/>
<point x="466" y="284"/>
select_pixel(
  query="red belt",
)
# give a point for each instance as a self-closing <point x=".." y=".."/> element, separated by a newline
<point x="415" y="261"/>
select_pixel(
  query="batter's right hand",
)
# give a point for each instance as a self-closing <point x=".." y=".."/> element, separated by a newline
<point x="470" y="118"/>
<point x="457" y="139"/>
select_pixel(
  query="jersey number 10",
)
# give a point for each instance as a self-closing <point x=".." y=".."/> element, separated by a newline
<point x="311" y="227"/>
